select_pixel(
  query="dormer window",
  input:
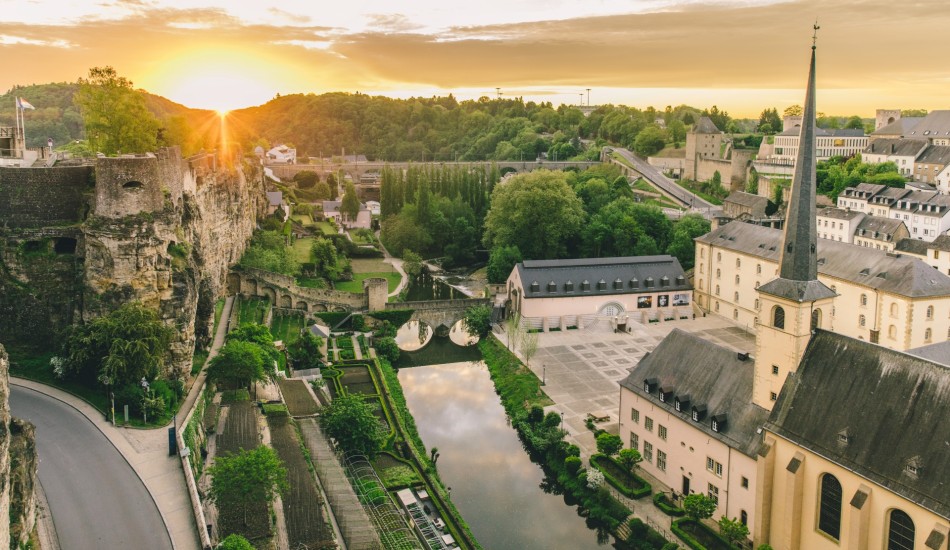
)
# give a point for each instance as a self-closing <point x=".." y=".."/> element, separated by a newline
<point x="665" y="281"/>
<point x="680" y="280"/>
<point x="844" y="437"/>
<point x="601" y="285"/>
<point x="535" y="287"/>
<point x="585" y="286"/>
<point x="699" y="413"/>
<point x="913" y="467"/>
<point x="618" y="284"/>
<point x="649" y="282"/>
<point x="634" y="283"/>
<point x="681" y="403"/>
<point x="569" y="287"/>
<point x="718" y="423"/>
<point x="666" y="393"/>
<point x="649" y="385"/>
<point x="552" y="286"/>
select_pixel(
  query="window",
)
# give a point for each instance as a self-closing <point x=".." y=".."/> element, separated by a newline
<point x="738" y="262"/>
<point x="717" y="304"/>
<point x="702" y="252"/>
<point x="774" y="369"/>
<point x="758" y="269"/>
<point x="900" y="531"/>
<point x="713" y="492"/>
<point x="717" y="290"/>
<point x="701" y="270"/>
<point x="864" y="300"/>
<point x="661" y="460"/>
<point x="743" y="516"/>
<point x="735" y="314"/>
<point x="778" y="317"/>
<point x="745" y="482"/>
<point x="816" y="319"/>
<point x="894" y="310"/>
<point x="757" y="304"/>
<point x="661" y="431"/>
<point x="930" y="312"/>
<point x="892" y="332"/>
<point x="713" y="466"/>
<point x="735" y="297"/>
<point x="718" y="273"/>
<point x="718" y="256"/>
<point x="829" y="508"/>
<point x="773" y="396"/>
<point x="861" y="320"/>
<point x="928" y="334"/>
<point x="647" y="451"/>
<point x="634" y="441"/>
<point x="635" y="416"/>
<point x="737" y="279"/>
<point x="648" y="424"/>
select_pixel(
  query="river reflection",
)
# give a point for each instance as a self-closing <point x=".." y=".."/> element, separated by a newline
<point x="494" y="483"/>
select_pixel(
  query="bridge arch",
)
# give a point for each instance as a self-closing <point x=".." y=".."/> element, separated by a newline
<point x="270" y="294"/>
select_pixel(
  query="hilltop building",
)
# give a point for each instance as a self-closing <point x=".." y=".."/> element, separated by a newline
<point x="819" y="441"/>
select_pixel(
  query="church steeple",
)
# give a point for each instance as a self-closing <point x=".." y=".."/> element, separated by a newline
<point x="796" y="302"/>
<point x="798" y="264"/>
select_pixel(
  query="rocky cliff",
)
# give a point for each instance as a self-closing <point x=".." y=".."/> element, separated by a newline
<point x="17" y="469"/>
<point x="154" y="228"/>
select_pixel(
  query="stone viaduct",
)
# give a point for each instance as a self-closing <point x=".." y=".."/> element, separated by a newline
<point x="283" y="292"/>
<point x="358" y="169"/>
<point x="441" y="315"/>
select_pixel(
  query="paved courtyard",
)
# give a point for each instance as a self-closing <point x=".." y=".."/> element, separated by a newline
<point x="582" y="369"/>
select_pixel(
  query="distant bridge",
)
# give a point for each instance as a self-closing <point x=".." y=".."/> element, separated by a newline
<point x="441" y="315"/>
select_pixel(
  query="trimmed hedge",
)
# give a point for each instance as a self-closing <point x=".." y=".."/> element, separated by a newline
<point x="635" y="493"/>
<point x="720" y="543"/>
<point x="398" y="317"/>
<point x="663" y="503"/>
<point x="331" y="317"/>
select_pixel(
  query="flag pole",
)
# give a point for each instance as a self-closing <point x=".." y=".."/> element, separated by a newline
<point x="16" y="131"/>
<point x="23" y="126"/>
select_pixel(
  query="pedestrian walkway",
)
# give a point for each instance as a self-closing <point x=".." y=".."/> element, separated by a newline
<point x="397" y="264"/>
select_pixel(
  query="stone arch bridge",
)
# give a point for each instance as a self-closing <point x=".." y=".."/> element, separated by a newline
<point x="358" y="169"/>
<point x="283" y="292"/>
<point x="441" y="315"/>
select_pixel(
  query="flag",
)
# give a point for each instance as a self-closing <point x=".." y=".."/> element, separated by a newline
<point x="24" y="104"/>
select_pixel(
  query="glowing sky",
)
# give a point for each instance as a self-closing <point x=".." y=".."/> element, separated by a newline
<point x="740" y="55"/>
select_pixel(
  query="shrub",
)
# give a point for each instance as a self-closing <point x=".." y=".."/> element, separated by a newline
<point x="666" y="506"/>
<point x="572" y="464"/>
<point x="536" y="414"/>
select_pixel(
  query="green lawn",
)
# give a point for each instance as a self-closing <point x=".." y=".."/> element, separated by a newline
<point x="301" y="249"/>
<point x="326" y="227"/>
<point x="252" y="310"/>
<point x="621" y="159"/>
<point x="370" y="265"/>
<point x="356" y="285"/>
<point x="303" y="219"/>
<point x="311" y="282"/>
<point x="287" y="327"/>
<point x="642" y="185"/>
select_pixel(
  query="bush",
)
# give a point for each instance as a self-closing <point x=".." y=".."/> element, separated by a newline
<point x="536" y="414"/>
<point x="572" y="464"/>
<point x="628" y="483"/>
<point x="699" y="537"/>
<point x="661" y="501"/>
<point x="387" y="347"/>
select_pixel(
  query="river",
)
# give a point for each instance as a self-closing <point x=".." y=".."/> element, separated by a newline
<point x="494" y="484"/>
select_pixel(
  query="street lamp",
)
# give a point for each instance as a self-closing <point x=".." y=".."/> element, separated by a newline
<point x="544" y="374"/>
<point x="144" y="383"/>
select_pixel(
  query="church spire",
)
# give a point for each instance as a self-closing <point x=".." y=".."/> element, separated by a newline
<point x="798" y="265"/>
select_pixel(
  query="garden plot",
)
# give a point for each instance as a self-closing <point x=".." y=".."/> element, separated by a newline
<point x="298" y="398"/>
<point x="377" y="405"/>
<point x="307" y="525"/>
<point x="240" y="429"/>
<point x="357" y="380"/>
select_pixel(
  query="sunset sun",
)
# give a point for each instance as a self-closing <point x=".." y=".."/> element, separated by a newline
<point x="218" y="80"/>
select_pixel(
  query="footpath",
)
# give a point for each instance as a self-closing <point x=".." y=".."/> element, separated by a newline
<point x="147" y="451"/>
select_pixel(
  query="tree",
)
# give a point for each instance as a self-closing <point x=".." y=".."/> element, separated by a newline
<point x="350" y="421"/>
<point x="629" y="458"/>
<point x="387" y="347"/>
<point x="411" y="263"/>
<point x="120" y="348"/>
<point x="306" y="179"/>
<point x="733" y="530"/>
<point x="256" y="333"/>
<point x="235" y="541"/>
<point x="770" y="122"/>
<point x="609" y="444"/>
<point x="478" y="320"/>
<point x="238" y="364"/>
<point x="677" y="130"/>
<point x="529" y="346"/>
<point x="325" y="260"/>
<point x="685" y="230"/>
<point x="247" y="478"/>
<point x="650" y="140"/>
<point x="595" y="479"/>
<point x="513" y="329"/>
<point x="698" y="506"/>
<point x="350" y="206"/>
<point x="538" y="212"/>
<point x="114" y="114"/>
<point x="793" y="110"/>
<point x="854" y="123"/>
<point x="305" y="351"/>
<point x="500" y="263"/>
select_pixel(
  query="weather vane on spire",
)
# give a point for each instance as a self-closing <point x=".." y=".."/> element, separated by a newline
<point x="814" y="37"/>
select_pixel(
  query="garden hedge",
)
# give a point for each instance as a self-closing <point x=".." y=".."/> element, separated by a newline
<point x="643" y="491"/>
<point x="661" y="501"/>
<point x="690" y="541"/>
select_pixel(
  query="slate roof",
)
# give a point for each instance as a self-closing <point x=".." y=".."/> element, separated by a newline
<point x="935" y="154"/>
<point x="876" y="224"/>
<point x="839" y="213"/>
<point x="912" y="246"/>
<point x="902" y="275"/>
<point x="634" y="274"/>
<point x="747" y="199"/>
<point x="899" y="127"/>
<point x="274" y="198"/>
<point x="941" y="243"/>
<point x="935" y="125"/>
<point x="896" y="147"/>
<point x="889" y="195"/>
<point x="711" y="376"/>
<point x="938" y="353"/>
<point x="863" y="191"/>
<point x="893" y="406"/>
<point x="705" y="125"/>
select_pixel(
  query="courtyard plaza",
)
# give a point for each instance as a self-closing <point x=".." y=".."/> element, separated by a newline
<point x="582" y="370"/>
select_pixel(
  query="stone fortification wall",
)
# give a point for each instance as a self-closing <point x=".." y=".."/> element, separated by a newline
<point x="31" y="197"/>
<point x="5" y="489"/>
<point x="282" y="290"/>
<point x="130" y="185"/>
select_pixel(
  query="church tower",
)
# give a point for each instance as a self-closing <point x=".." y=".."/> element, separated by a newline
<point x="796" y="302"/>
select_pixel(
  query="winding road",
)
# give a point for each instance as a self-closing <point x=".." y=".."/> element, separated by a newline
<point x="95" y="498"/>
<point x="666" y="185"/>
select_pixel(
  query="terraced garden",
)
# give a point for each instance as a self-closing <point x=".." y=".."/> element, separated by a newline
<point x="286" y="326"/>
<point x="297" y="397"/>
<point x="240" y="433"/>
<point x="251" y="310"/>
<point x="304" y="513"/>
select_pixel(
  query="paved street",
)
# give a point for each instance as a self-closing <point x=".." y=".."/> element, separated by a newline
<point x="96" y="499"/>
<point x="695" y="202"/>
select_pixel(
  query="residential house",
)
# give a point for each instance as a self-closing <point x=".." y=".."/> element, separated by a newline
<point x="935" y="253"/>
<point x="935" y="128"/>
<point x="902" y="152"/>
<point x="740" y="204"/>
<point x="857" y="198"/>
<point x="931" y="163"/>
<point x="880" y="233"/>
<point x="838" y="224"/>
<point x="896" y="129"/>
<point x="331" y="209"/>
<point x="282" y="154"/>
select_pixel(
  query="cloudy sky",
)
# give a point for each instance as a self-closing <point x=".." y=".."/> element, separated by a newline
<point x="742" y="55"/>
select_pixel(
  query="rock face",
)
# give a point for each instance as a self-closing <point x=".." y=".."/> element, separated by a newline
<point x="152" y="228"/>
<point x="17" y="469"/>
